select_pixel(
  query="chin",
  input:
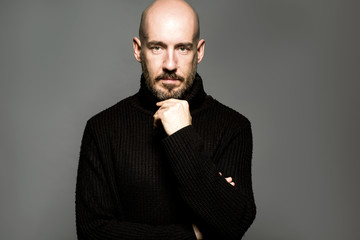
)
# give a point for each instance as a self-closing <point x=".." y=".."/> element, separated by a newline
<point x="166" y="94"/>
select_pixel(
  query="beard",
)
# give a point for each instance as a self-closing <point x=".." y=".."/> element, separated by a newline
<point x="169" y="90"/>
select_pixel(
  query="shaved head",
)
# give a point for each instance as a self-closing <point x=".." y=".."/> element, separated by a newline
<point x="169" y="7"/>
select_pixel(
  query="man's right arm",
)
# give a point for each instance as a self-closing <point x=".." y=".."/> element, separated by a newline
<point x="96" y="214"/>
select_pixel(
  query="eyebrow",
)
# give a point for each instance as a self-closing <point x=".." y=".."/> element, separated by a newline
<point x="155" y="43"/>
<point x="186" y="44"/>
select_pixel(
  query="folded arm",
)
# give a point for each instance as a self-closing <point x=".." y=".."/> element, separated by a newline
<point x="222" y="209"/>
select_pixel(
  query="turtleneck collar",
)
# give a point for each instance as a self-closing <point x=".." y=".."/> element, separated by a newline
<point x="195" y="95"/>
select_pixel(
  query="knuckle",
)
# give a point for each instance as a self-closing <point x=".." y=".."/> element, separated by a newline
<point x="177" y="106"/>
<point x="185" y="103"/>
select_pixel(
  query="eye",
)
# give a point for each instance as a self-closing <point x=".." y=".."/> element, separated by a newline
<point x="156" y="49"/>
<point x="183" y="49"/>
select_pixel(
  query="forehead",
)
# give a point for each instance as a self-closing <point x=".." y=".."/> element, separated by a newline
<point x="170" y="26"/>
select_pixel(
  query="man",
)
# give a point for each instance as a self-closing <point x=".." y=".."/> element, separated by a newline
<point x="169" y="162"/>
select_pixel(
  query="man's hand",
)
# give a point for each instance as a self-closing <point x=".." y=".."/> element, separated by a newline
<point x="174" y="114"/>
<point x="228" y="179"/>
<point x="197" y="232"/>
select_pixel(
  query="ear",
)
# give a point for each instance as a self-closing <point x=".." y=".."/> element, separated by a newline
<point x="200" y="50"/>
<point x="137" y="49"/>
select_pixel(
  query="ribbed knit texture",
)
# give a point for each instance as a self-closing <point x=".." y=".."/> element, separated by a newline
<point x="135" y="182"/>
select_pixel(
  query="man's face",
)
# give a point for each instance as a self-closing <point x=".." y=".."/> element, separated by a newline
<point x="169" y="55"/>
<point x="166" y="83"/>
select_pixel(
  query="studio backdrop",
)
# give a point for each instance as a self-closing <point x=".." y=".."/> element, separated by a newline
<point x="291" y="67"/>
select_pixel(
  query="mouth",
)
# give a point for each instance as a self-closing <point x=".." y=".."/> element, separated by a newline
<point x="169" y="80"/>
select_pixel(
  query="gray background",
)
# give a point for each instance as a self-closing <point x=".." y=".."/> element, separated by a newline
<point x="290" y="66"/>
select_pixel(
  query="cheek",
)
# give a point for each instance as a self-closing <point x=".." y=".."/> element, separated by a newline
<point x="187" y="63"/>
<point x="154" y="64"/>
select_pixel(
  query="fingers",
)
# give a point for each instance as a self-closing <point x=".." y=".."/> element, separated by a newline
<point x="228" y="179"/>
<point x="155" y="123"/>
<point x="170" y="100"/>
<point x="157" y="117"/>
<point x="197" y="232"/>
<point x="174" y="114"/>
<point x="171" y="105"/>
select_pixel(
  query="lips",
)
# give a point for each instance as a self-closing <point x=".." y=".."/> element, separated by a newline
<point x="170" y="81"/>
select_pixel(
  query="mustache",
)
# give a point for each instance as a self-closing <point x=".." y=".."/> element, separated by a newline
<point x="172" y="75"/>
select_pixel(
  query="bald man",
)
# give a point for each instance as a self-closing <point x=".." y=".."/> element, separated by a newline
<point x="169" y="162"/>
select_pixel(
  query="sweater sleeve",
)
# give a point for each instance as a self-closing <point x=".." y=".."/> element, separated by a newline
<point x="222" y="211"/>
<point x="98" y="214"/>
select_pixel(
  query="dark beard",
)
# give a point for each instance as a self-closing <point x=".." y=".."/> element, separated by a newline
<point x="170" y="93"/>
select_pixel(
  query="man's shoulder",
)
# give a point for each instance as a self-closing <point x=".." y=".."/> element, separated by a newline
<point x="114" y="112"/>
<point x="229" y="116"/>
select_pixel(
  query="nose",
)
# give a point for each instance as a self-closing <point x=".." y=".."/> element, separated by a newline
<point x="170" y="61"/>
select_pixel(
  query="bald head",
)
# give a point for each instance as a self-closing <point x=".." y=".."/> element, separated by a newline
<point x="169" y="10"/>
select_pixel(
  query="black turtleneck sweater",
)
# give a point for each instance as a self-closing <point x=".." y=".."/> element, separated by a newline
<point x="135" y="182"/>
